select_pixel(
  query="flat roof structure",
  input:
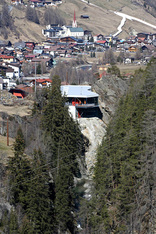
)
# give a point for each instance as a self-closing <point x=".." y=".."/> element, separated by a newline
<point x="77" y="91"/>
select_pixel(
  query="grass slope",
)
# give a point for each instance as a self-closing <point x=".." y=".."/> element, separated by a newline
<point x="5" y="151"/>
<point x="101" y="19"/>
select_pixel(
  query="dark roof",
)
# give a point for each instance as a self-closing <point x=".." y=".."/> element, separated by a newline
<point x="84" y="16"/>
<point x="50" y="30"/>
<point x="9" y="69"/>
<point x="14" y="64"/>
<point x="19" y="44"/>
<point x="14" y="90"/>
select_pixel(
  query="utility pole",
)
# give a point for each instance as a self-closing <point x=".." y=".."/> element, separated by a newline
<point x="66" y="78"/>
<point x="7" y="131"/>
<point x="35" y="79"/>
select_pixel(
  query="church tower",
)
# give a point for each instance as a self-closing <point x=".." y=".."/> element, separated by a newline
<point x="74" y="24"/>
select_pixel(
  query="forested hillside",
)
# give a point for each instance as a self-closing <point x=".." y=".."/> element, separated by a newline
<point x="38" y="181"/>
<point x="124" y="198"/>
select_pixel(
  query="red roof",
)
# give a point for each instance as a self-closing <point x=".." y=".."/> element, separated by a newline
<point x="101" y="41"/>
<point x="3" y="56"/>
<point x="30" y="56"/>
<point x="43" y="80"/>
<point x="141" y="38"/>
<point x="18" y="94"/>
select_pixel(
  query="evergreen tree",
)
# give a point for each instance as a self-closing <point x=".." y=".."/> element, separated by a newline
<point x="38" y="70"/>
<point x="123" y="174"/>
<point x="13" y="224"/>
<point x="53" y="114"/>
<point x="64" y="184"/>
<point x="65" y="143"/>
<point x="39" y="209"/>
<point x="19" y="171"/>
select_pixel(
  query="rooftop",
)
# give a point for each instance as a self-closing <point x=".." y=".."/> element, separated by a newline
<point x="81" y="91"/>
<point x="76" y="29"/>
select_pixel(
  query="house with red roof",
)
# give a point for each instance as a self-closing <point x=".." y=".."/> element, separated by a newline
<point x="41" y="82"/>
<point x="6" y="58"/>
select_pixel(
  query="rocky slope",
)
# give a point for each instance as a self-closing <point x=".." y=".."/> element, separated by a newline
<point x="94" y="130"/>
<point x="110" y="89"/>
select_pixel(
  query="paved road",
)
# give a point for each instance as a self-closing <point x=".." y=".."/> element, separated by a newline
<point x="124" y="17"/>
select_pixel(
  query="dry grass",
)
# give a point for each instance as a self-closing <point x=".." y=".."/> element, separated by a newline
<point x="15" y="110"/>
<point x="129" y="68"/>
<point x="5" y="151"/>
<point x="102" y="19"/>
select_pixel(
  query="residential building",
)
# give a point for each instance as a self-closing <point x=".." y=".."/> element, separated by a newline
<point x="81" y="101"/>
<point x="16" y="67"/>
<point x="10" y="73"/>
<point x="6" y="58"/>
<point x="1" y="83"/>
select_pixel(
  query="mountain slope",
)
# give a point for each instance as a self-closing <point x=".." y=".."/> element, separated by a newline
<point x="103" y="20"/>
<point x="125" y="170"/>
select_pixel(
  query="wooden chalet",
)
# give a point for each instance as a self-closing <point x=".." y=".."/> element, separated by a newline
<point x="132" y="49"/>
<point x="68" y="39"/>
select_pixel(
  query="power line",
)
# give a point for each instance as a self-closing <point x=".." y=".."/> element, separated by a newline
<point x="105" y="148"/>
<point x="53" y="169"/>
<point x="116" y="143"/>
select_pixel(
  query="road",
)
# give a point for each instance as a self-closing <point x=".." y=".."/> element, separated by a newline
<point x="124" y="17"/>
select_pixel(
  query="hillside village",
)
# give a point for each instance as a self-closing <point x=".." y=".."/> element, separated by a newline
<point x="24" y="59"/>
<point x="77" y="153"/>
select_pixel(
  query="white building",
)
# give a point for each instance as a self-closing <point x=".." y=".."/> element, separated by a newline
<point x="1" y="83"/>
<point x="68" y="31"/>
<point x="10" y="73"/>
<point x="16" y="68"/>
<point x="6" y="83"/>
<point x="81" y="101"/>
<point x="55" y="31"/>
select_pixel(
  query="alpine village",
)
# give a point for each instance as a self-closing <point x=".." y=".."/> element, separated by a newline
<point x="77" y="117"/>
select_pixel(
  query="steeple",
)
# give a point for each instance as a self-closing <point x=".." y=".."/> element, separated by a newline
<point x="74" y="24"/>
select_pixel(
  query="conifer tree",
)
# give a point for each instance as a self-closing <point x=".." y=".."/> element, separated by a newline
<point x="39" y="209"/>
<point x="53" y="114"/>
<point x="19" y="171"/>
<point x="125" y="159"/>
<point x="65" y="143"/>
<point x="13" y="224"/>
<point x="64" y="192"/>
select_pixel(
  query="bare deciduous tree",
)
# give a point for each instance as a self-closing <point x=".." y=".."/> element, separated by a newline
<point x="53" y="17"/>
<point x="109" y="57"/>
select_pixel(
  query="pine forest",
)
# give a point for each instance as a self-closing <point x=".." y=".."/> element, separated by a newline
<point x="43" y="182"/>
